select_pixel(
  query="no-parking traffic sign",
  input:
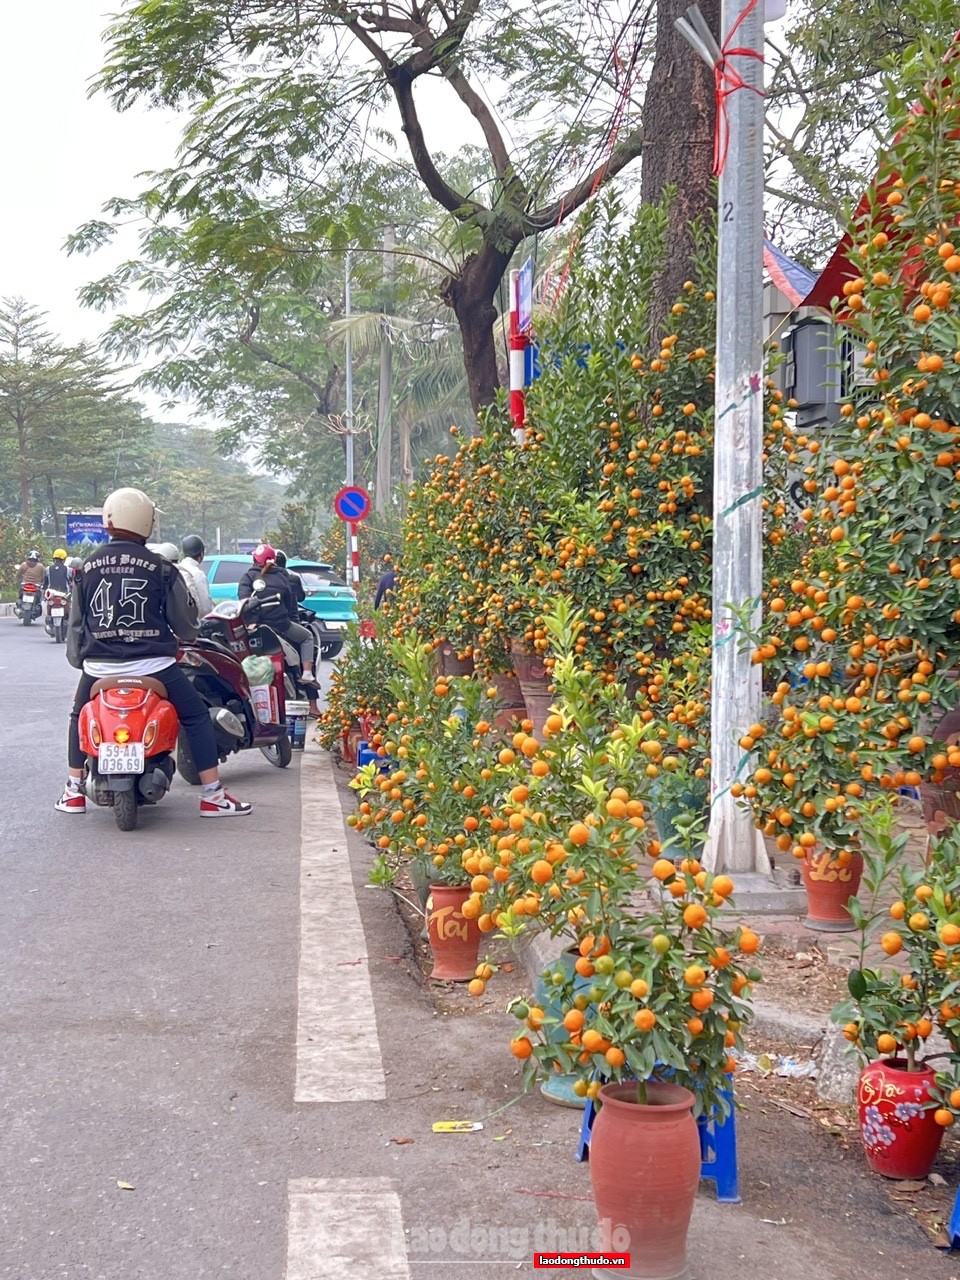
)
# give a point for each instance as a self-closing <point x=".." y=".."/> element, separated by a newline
<point x="352" y="504"/>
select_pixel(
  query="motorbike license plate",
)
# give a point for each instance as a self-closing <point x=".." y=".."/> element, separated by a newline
<point x="120" y="757"/>
<point x="336" y="626"/>
<point x="56" y="613"/>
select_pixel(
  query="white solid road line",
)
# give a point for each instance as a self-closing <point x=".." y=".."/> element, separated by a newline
<point x="338" y="1050"/>
<point x="345" y="1229"/>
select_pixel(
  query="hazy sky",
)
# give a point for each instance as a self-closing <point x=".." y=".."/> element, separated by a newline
<point x="63" y="154"/>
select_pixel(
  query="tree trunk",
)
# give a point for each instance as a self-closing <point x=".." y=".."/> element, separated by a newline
<point x="52" y="499"/>
<point x="679" y="104"/>
<point x="23" y="473"/>
<point x="406" y="459"/>
<point x="471" y="296"/>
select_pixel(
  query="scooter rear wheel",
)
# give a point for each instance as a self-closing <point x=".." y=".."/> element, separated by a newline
<point x="125" y="809"/>
<point x="186" y="767"/>
<point x="281" y="753"/>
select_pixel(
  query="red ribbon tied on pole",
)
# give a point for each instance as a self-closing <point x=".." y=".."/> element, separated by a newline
<point x="726" y="81"/>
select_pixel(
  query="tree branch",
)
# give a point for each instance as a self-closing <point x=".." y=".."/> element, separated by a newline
<point x="260" y="352"/>
<point x="620" y="157"/>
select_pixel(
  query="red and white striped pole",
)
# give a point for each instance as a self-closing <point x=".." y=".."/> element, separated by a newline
<point x="518" y="345"/>
<point x="354" y="552"/>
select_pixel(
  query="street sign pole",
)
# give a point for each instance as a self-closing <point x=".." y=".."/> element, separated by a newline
<point x="354" y="553"/>
<point x="348" y="389"/>
<point x="351" y="505"/>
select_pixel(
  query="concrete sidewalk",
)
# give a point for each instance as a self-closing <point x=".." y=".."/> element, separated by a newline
<point x="474" y="1205"/>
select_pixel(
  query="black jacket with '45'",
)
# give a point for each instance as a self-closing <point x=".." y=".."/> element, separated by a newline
<point x="128" y="602"/>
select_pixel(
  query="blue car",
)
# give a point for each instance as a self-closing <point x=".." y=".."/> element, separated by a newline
<point x="333" y="603"/>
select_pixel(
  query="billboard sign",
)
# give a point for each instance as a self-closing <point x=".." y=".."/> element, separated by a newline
<point x="84" y="531"/>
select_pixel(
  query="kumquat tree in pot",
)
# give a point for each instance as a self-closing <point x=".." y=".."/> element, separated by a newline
<point x="862" y="639"/>
<point x="434" y="807"/>
<point x="909" y="1091"/>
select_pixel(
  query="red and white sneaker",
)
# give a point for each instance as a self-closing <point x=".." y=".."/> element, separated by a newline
<point x="223" y="805"/>
<point x="72" y="802"/>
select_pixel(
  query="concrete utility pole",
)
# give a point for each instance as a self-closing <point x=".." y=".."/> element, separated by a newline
<point x="734" y="843"/>
<point x="383" y="487"/>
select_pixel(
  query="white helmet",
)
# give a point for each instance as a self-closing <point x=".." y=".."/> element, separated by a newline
<point x="168" y="550"/>
<point x="129" y="511"/>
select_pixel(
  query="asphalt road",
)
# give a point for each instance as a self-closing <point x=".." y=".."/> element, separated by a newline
<point x="219" y="1058"/>
<point x="146" y="1010"/>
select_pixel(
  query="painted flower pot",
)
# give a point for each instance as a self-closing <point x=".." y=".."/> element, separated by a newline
<point x="829" y="887"/>
<point x="454" y="940"/>
<point x="900" y="1136"/>
<point x="645" y="1169"/>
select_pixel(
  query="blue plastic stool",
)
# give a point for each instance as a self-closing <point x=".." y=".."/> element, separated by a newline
<point x="953" y="1226"/>
<point x="366" y="755"/>
<point x="718" y="1152"/>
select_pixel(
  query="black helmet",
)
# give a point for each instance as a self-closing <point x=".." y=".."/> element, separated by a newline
<point x="281" y="559"/>
<point x="193" y="547"/>
<point x="34" y="555"/>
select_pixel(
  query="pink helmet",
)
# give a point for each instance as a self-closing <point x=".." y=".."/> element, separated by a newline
<point x="263" y="554"/>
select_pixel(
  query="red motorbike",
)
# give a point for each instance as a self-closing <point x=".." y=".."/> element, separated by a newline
<point x="27" y="604"/>
<point x="128" y="731"/>
<point x="243" y="716"/>
<point x="56" y="614"/>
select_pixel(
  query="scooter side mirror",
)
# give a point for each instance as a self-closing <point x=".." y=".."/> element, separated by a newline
<point x="259" y="585"/>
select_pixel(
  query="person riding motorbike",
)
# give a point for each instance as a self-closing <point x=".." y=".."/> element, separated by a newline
<point x="56" y="578"/>
<point x="73" y="568"/>
<point x="32" y="570"/>
<point x="280" y="617"/>
<point x="129" y="607"/>
<point x="300" y="594"/>
<point x="190" y="566"/>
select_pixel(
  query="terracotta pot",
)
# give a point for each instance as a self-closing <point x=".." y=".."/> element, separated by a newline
<point x="510" y="695"/>
<point x="534" y="684"/>
<point x="645" y="1168"/>
<point x="900" y="1138"/>
<point x="941" y="800"/>
<point x="454" y="940"/>
<point x="349" y="742"/>
<point x="448" y="664"/>
<point x="829" y="887"/>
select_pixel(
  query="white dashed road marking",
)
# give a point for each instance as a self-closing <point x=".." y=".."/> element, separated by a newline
<point x="345" y="1228"/>
<point x="338" y="1051"/>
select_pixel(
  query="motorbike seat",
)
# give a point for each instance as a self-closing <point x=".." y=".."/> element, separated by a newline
<point x="277" y="644"/>
<point x="129" y="682"/>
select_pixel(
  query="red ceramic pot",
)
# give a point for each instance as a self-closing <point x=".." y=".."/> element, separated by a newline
<point x="900" y="1137"/>
<point x="448" y="664"/>
<point x="829" y="887"/>
<point x="645" y="1168"/>
<point x="454" y="940"/>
